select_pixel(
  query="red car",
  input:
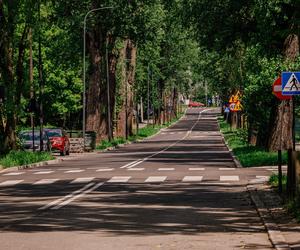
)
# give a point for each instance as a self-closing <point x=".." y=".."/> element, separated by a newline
<point x="195" y="104"/>
<point x="59" y="140"/>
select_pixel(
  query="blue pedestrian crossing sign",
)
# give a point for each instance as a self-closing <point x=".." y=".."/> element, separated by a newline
<point x="290" y="83"/>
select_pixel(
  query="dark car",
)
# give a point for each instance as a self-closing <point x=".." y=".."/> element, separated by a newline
<point x="59" y="140"/>
<point x="28" y="142"/>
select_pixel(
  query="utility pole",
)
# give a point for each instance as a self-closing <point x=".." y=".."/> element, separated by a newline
<point x="32" y="97"/>
<point x="148" y="95"/>
<point x="41" y="84"/>
<point x="110" y="134"/>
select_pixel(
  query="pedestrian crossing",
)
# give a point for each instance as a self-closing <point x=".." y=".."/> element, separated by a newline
<point x="147" y="179"/>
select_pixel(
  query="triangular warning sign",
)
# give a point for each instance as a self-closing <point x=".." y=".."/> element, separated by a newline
<point x="292" y="84"/>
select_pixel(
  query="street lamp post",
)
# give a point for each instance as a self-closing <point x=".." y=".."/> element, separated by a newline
<point x="84" y="84"/>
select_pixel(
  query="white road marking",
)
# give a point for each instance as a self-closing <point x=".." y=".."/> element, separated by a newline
<point x="196" y="169"/>
<point x="265" y="178"/>
<point x="137" y="162"/>
<point x="13" y="173"/>
<point x="55" y="202"/>
<point x="136" y="169"/>
<point x="44" y="172"/>
<point x="192" y="178"/>
<point x="10" y="183"/>
<point x="66" y="169"/>
<point x="104" y="169"/>
<point x="83" y="180"/>
<point x="45" y="181"/>
<point x="156" y="179"/>
<point x="226" y="169"/>
<point x="166" y="169"/>
<point x="74" y="171"/>
<point x="130" y="163"/>
<point x="66" y="202"/>
<point x="119" y="179"/>
<point x="229" y="178"/>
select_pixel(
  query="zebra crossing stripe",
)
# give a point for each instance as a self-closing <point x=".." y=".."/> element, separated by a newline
<point x="156" y="179"/>
<point x="192" y="178"/>
<point x="45" y="181"/>
<point x="10" y="183"/>
<point x="119" y="179"/>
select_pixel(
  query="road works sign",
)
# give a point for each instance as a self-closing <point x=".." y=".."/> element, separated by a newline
<point x="290" y="83"/>
<point x="277" y="90"/>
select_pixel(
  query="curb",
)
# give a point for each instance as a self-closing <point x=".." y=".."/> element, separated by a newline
<point x="235" y="160"/>
<point x="274" y="233"/>
<point x="33" y="165"/>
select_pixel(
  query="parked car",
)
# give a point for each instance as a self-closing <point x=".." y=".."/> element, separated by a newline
<point x="59" y="140"/>
<point x="28" y="142"/>
<point x="195" y="104"/>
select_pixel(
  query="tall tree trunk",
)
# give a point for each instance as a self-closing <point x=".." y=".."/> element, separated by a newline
<point x="128" y="55"/>
<point x="284" y="112"/>
<point x="95" y="105"/>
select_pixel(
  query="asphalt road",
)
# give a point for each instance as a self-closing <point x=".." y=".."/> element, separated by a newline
<point x="177" y="190"/>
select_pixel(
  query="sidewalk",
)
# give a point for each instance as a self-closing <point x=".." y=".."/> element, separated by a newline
<point x="288" y="226"/>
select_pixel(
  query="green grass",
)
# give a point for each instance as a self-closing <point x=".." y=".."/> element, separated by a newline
<point x="291" y="206"/>
<point x="19" y="158"/>
<point x="248" y="155"/>
<point x="143" y="133"/>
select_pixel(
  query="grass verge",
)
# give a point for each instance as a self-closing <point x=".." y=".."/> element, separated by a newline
<point x="291" y="206"/>
<point x="19" y="158"/>
<point x="248" y="155"/>
<point x="143" y="133"/>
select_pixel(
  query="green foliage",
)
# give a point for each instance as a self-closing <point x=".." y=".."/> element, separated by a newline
<point x="249" y="156"/>
<point x="19" y="158"/>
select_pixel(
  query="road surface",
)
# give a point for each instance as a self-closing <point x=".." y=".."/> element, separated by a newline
<point x="177" y="190"/>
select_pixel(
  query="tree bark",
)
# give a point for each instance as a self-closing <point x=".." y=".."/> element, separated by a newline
<point x="128" y="60"/>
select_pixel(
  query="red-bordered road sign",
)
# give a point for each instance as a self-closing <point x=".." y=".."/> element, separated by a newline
<point x="277" y="90"/>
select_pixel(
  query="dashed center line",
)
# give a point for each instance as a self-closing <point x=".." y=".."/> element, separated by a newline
<point x="196" y="169"/>
<point x="105" y="169"/>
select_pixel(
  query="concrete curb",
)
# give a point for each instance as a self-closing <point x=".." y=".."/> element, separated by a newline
<point x="33" y="165"/>
<point x="235" y="160"/>
<point x="274" y="233"/>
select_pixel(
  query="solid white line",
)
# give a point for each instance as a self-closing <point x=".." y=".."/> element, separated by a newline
<point x="119" y="179"/>
<point x="156" y="179"/>
<point x="135" y="164"/>
<point x="10" y="183"/>
<point x="83" y="180"/>
<point x="44" y="172"/>
<point x="45" y="181"/>
<point x="14" y="173"/>
<point x="53" y="203"/>
<point x="192" y="178"/>
<point x="229" y="178"/>
<point x="66" y="202"/>
<point x="129" y="164"/>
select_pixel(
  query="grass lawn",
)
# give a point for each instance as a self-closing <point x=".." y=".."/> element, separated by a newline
<point x="19" y="158"/>
<point x="248" y="155"/>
